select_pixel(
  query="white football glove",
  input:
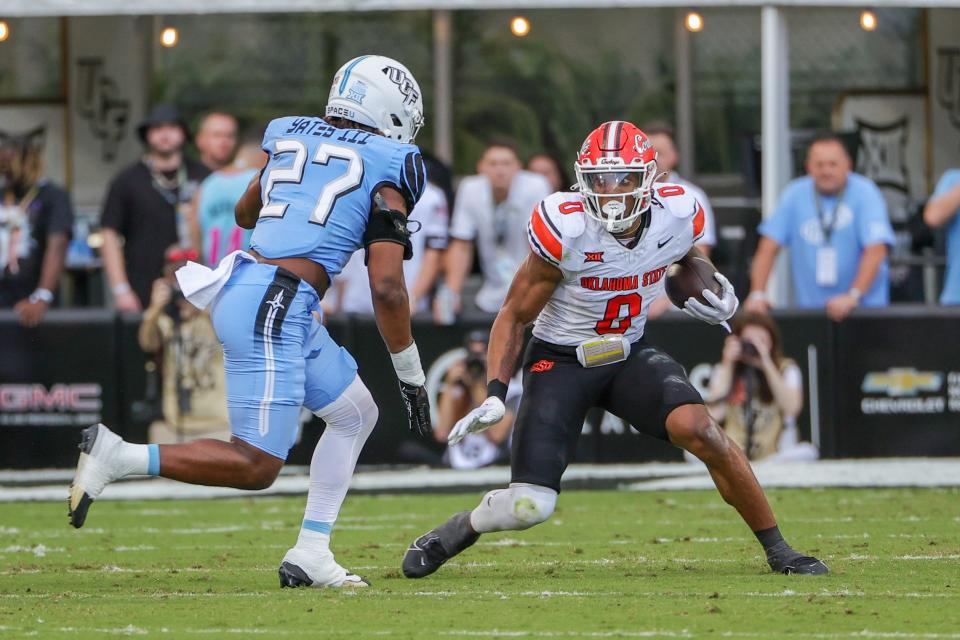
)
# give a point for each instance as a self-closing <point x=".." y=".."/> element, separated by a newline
<point x="480" y="419"/>
<point x="720" y="308"/>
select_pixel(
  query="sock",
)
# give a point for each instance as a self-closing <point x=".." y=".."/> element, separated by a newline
<point x="771" y="539"/>
<point x="350" y="419"/>
<point x="315" y="536"/>
<point x="140" y="459"/>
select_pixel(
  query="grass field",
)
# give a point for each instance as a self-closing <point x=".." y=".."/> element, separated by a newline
<point x="608" y="564"/>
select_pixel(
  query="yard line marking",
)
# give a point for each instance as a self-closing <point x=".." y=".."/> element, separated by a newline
<point x="501" y="594"/>
<point x="131" y="630"/>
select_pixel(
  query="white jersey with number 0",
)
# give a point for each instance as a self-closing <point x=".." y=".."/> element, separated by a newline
<point x="608" y="287"/>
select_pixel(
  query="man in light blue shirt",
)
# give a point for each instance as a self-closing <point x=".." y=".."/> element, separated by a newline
<point x="835" y="224"/>
<point x="942" y="210"/>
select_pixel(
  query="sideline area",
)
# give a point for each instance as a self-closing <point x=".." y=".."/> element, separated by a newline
<point x="51" y="485"/>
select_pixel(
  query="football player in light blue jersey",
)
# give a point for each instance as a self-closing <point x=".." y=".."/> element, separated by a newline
<point x="331" y="186"/>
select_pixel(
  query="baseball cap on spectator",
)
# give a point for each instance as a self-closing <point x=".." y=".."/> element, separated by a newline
<point x="162" y="114"/>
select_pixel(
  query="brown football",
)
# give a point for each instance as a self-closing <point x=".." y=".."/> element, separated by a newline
<point x="688" y="278"/>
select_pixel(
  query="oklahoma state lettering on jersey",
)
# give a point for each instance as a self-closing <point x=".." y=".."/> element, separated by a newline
<point x="607" y="287"/>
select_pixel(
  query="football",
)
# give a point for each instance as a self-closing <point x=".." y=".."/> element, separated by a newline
<point x="688" y="278"/>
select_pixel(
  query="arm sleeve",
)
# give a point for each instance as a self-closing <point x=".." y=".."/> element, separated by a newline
<point x="412" y="175"/>
<point x="710" y="223"/>
<point x="463" y="226"/>
<point x="544" y="236"/>
<point x="61" y="213"/>
<point x="699" y="222"/>
<point x="946" y="182"/>
<point x="873" y="223"/>
<point x="114" y="214"/>
<point x="793" y="377"/>
<point x="778" y="227"/>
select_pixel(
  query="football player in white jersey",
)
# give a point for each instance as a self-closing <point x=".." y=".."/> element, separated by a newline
<point x="598" y="257"/>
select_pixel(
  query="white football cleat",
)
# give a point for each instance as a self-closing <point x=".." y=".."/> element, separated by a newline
<point x="301" y="568"/>
<point x="99" y="465"/>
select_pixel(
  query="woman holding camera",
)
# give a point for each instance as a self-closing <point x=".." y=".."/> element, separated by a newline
<point x="756" y="393"/>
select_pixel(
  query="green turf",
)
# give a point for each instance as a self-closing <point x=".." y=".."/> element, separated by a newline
<point x="608" y="564"/>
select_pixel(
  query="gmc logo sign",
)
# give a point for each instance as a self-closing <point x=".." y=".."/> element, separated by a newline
<point x="16" y="398"/>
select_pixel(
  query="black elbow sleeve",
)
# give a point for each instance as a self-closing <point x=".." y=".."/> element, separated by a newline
<point x="387" y="226"/>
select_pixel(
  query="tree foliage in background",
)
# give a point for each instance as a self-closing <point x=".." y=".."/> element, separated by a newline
<point x="260" y="67"/>
<point x="533" y="91"/>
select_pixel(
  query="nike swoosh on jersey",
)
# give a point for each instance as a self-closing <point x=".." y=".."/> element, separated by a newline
<point x="661" y="245"/>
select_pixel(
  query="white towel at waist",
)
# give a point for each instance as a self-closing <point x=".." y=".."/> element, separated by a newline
<point x="201" y="284"/>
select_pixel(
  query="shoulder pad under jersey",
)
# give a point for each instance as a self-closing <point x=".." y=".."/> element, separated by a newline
<point x="554" y="222"/>
<point x="681" y="203"/>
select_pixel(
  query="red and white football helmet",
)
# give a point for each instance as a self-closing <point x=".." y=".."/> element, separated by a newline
<point x="615" y="156"/>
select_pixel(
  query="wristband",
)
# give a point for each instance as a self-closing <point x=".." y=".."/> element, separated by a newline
<point x="121" y="289"/>
<point x="498" y="389"/>
<point x="757" y="295"/>
<point x="41" y="295"/>
<point x="855" y="293"/>
<point x="407" y="365"/>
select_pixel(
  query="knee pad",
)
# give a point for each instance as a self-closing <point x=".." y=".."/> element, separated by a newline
<point x="518" y="507"/>
<point x="532" y="503"/>
<point x="353" y="412"/>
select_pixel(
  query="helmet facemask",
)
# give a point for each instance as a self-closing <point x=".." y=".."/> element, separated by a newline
<point x="617" y="195"/>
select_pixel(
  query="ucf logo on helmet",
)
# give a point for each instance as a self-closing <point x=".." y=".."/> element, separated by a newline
<point x="399" y="78"/>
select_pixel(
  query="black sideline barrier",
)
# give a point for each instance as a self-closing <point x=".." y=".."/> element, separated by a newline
<point x="884" y="383"/>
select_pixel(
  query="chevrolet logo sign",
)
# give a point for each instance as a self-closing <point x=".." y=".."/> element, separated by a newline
<point x="904" y="381"/>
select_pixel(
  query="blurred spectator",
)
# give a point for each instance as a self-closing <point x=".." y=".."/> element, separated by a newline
<point x="36" y="219"/>
<point x="756" y="393"/>
<point x="217" y="139"/>
<point x="550" y="169"/>
<point x="492" y="209"/>
<point x="193" y="398"/>
<point x="835" y="224"/>
<point x="661" y="136"/>
<point x="439" y="174"/>
<point x="464" y="389"/>
<point x="420" y="273"/>
<point x="215" y="229"/>
<point x="942" y="209"/>
<point x="148" y="207"/>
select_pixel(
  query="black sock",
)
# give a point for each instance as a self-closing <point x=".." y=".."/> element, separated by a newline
<point x="770" y="538"/>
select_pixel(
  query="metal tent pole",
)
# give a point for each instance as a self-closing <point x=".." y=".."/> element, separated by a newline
<point x="684" y="125"/>
<point x="443" y="85"/>
<point x="775" y="128"/>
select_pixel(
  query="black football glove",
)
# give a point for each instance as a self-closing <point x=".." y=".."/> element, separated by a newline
<point x="417" y="402"/>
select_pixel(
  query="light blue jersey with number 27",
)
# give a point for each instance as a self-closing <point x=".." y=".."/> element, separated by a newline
<point x="317" y="188"/>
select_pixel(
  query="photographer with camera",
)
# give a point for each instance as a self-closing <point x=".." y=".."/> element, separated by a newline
<point x="464" y="389"/>
<point x="192" y="402"/>
<point x="756" y="393"/>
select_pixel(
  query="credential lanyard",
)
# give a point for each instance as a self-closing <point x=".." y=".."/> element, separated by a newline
<point x="827" y="223"/>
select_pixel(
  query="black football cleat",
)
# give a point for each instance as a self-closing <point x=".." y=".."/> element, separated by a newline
<point x="789" y="562"/>
<point x="432" y="549"/>
<point x="293" y="576"/>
